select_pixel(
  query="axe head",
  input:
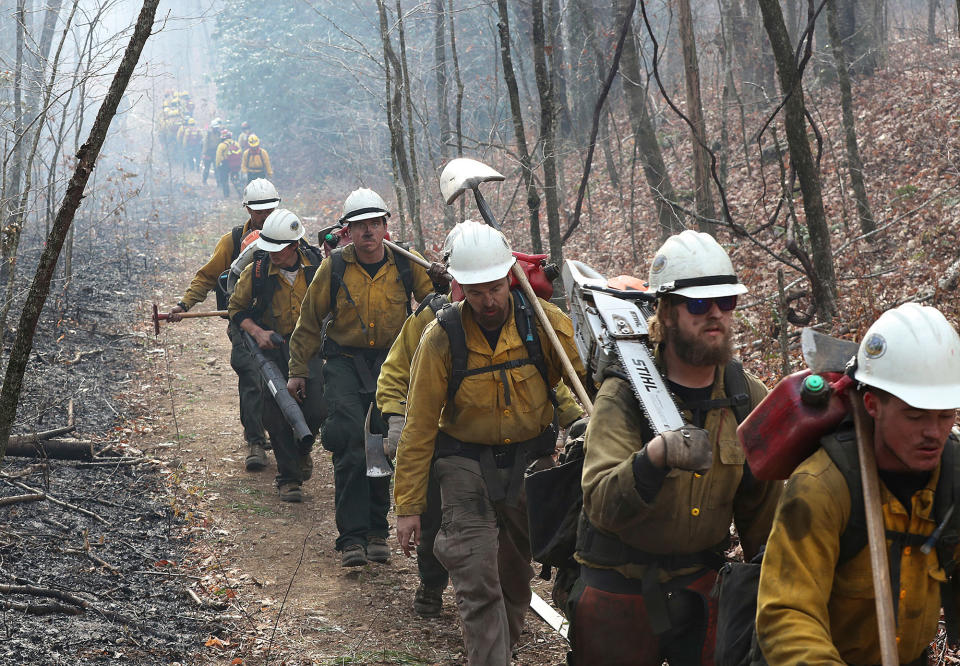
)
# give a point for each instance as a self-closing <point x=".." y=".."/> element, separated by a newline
<point x="823" y="353"/>
<point x="462" y="174"/>
<point x="377" y="463"/>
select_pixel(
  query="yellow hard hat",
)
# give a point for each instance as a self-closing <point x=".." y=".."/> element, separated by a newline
<point x="253" y="141"/>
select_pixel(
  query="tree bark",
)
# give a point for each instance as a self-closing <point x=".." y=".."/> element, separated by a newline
<point x="644" y="132"/>
<point x="413" y="191"/>
<point x="86" y="160"/>
<point x="823" y="277"/>
<point x="703" y="192"/>
<point x="545" y="92"/>
<point x="932" y="21"/>
<point x="854" y="163"/>
<point x="526" y="169"/>
<point x="395" y="116"/>
<point x="443" y="110"/>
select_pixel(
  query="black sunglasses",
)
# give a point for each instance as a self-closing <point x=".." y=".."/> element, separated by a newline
<point x="699" y="306"/>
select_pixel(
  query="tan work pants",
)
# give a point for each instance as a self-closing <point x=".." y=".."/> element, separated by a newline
<point x="486" y="549"/>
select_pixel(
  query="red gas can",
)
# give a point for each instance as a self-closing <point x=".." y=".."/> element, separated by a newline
<point x="787" y="426"/>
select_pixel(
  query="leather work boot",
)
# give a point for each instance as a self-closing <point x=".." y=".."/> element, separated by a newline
<point x="290" y="491"/>
<point x="378" y="550"/>
<point x="428" y="600"/>
<point x="306" y="467"/>
<point x="256" y="458"/>
<point x="353" y="556"/>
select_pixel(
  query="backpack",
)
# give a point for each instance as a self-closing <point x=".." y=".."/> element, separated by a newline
<point x="339" y="267"/>
<point x="523" y="317"/>
<point x="254" y="154"/>
<point x="739" y="582"/>
<point x="555" y="496"/>
<point x="223" y="297"/>
<point x="233" y="156"/>
<point x="263" y="286"/>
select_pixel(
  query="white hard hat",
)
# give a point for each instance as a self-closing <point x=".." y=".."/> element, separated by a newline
<point x="279" y="229"/>
<point x="914" y="353"/>
<point x="363" y="204"/>
<point x="478" y="253"/>
<point x="260" y="194"/>
<point x="693" y="264"/>
<point x="216" y="122"/>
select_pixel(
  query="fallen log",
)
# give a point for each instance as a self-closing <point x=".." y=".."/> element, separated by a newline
<point x="37" y="436"/>
<point x="58" y="449"/>
<point x="17" y="499"/>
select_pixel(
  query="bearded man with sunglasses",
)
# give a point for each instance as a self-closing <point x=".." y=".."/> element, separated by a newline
<point x="657" y="509"/>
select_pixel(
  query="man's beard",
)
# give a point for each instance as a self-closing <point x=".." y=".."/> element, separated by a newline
<point x="693" y="351"/>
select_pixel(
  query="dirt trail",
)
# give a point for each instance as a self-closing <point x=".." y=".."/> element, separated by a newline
<point x="279" y="558"/>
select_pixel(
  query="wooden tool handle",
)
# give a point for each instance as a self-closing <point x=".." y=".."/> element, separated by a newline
<point x="568" y="370"/>
<point x="876" y="534"/>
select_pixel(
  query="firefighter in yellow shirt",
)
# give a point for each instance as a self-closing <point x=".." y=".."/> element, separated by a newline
<point x="267" y="300"/>
<point x="256" y="161"/>
<point x="816" y="602"/>
<point x="485" y="414"/>
<point x="366" y="288"/>
<point x="260" y="198"/>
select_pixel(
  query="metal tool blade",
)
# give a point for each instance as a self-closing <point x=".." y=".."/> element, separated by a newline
<point x="823" y="353"/>
<point x="463" y="174"/>
<point x="377" y="463"/>
<point x="556" y="621"/>
<point x="648" y="385"/>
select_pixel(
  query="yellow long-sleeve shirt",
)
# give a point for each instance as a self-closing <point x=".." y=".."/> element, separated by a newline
<point x="285" y="305"/>
<point x="379" y="304"/>
<point x="206" y="277"/>
<point x="394" y="377"/>
<point x="691" y="512"/>
<point x="811" y="611"/>
<point x="486" y="409"/>
<point x="256" y="162"/>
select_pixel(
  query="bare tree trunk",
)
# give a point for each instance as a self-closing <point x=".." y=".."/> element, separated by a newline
<point x="443" y="111"/>
<point x="558" y="74"/>
<point x="395" y="115"/>
<point x="823" y="278"/>
<point x="703" y="193"/>
<point x="86" y="159"/>
<point x="413" y="192"/>
<point x="456" y="73"/>
<point x="644" y="133"/>
<point x="519" y="135"/>
<point x="854" y="163"/>
<point x="932" y="21"/>
<point x="545" y="91"/>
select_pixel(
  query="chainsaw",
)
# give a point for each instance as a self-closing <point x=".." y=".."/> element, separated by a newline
<point x="610" y="332"/>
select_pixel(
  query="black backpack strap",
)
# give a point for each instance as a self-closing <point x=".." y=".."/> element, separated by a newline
<point x="523" y="317"/>
<point x="262" y="287"/>
<point x="735" y="385"/>
<point x="737" y="396"/>
<point x="434" y="301"/>
<point x="237" y="234"/>
<point x="315" y="255"/>
<point x="449" y="318"/>
<point x="406" y="276"/>
<point x="946" y="499"/>
<point x="338" y="266"/>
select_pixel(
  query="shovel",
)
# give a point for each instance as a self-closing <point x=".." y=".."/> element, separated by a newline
<point x="377" y="463"/>
<point x="463" y="174"/>
<point x="826" y="354"/>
